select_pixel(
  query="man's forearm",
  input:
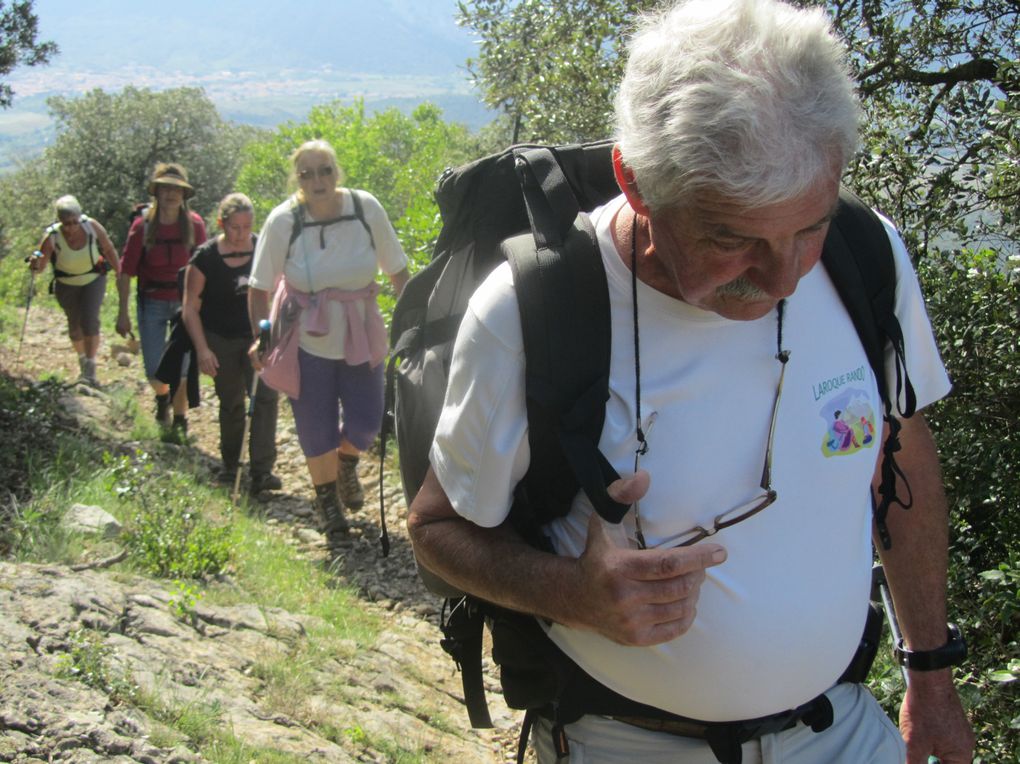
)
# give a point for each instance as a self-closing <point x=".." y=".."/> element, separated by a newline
<point x="494" y="564"/>
<point x="916" y="564"/>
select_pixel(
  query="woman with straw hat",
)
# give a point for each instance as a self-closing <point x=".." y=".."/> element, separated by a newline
<point x="159" y="243"/>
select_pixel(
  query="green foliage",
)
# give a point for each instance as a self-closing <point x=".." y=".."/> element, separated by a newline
<point x="28" y="417"/>
<point x="938" y="83"/>
<point x="184" y="598"/>
<point x="88" y="661"/>
<point x="396" y="157"/>
<point x="551" y="65"/>
<point x="107" y="145"/>
<point x="974" y="302"/>
<point x="166" y="533"/>
<point x="19" y="43"/>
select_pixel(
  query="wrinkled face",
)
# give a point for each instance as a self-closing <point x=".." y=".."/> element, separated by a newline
<point x="169" y="197"/>
<point x="237" y="229"/>
<point x="740" y="262"/>
<point x="316" y="173"/>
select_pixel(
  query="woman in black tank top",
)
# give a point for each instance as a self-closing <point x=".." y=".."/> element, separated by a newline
<point x="215" y="312"/>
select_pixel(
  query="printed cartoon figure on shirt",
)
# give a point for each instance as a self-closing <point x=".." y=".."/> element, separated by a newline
<point x="850" y="423"/>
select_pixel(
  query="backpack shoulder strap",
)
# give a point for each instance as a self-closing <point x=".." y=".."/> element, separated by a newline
<point x="859" y="258"/>
<point x="359" y="213"/>
<point x="563" y="297"/>
<point x="86" y="224"/>
<point x="297" y="216"/>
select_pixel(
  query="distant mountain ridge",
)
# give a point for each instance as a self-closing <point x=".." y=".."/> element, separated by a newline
<point x="196" y="36"/>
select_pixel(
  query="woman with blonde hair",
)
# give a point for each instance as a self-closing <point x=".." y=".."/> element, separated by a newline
<point x="215" y="313"/>
<point x="159" y="243"/>
<point x="319" y="253"/>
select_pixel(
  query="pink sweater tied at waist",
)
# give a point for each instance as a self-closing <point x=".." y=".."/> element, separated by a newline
<point x="364" y="342"/>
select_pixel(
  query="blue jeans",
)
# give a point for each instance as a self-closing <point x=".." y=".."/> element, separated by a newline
<point x="153" y="330"/>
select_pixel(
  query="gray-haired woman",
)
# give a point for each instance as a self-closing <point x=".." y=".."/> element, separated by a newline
<point x="81" y="253"/>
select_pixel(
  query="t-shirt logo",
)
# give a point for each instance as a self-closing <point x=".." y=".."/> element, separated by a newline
<point x="241" y="284"/>
<point x="847" y="412"/>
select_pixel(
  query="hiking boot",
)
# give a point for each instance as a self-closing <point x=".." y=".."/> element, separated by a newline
<point x="88" y="372"/>
<point x="330" y="512"/>
<point x="347" y="483"/>
<point x="163" y="410"/>
<point x="177" y="432"/>
<point x="225" y="476"/>
<point x="265" y="481"/>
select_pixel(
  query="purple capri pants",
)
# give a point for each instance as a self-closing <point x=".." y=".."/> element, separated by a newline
<point x="329" y="386"/>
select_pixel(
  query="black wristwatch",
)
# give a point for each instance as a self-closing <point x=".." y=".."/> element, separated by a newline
<point x="951" y="653"/>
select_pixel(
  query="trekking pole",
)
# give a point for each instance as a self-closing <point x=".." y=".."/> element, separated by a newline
<point x="28" y="304"/>
<point x="878" y="572"/>
<point x="878" y="576"/>
<point x="264" y="329"/>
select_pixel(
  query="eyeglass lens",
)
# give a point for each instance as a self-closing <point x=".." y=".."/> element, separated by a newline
<point x="323" y="172"/>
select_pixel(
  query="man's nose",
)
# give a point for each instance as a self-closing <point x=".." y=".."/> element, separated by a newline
<point x="778" y="268"/>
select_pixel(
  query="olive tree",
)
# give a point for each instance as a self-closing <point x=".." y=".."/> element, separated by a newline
<point x="19" y="44"/>
<point x="108" y="143"/>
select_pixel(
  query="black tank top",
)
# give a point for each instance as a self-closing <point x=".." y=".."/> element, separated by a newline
<point x="225" y="297"/>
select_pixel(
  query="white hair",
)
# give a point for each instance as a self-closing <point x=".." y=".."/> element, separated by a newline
<point x="67" y="205"/>
<point x="749" y="99"/>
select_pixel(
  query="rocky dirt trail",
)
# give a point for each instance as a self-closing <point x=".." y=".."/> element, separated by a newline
<point x="403" y="691"/>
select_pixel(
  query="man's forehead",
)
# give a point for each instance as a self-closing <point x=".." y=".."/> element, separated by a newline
<point x="717" y="212"/>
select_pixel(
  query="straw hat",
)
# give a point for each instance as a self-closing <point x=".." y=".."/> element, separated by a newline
<point x="170" y="174"/>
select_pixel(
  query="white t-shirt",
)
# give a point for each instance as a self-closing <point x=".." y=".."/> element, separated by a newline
<point x="779" y="621"/>
<point x="347" y="261"/>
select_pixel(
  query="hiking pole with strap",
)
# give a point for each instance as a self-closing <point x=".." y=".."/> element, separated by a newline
<point x="264" y="329"/>
<point x="28" y="304"/>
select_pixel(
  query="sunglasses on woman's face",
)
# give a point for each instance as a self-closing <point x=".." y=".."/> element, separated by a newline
<point x="322" y="172"/>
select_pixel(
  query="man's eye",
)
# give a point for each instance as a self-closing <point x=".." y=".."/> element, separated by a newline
<point x="730" y="245"/>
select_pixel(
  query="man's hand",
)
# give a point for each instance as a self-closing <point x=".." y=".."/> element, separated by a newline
<point x="933" y="722"/>
<point x="640" y="597"/>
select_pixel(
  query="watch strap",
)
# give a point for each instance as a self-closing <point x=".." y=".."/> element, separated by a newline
<point x="949" y="654"/>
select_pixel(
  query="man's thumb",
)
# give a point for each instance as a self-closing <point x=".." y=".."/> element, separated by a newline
<point x="627" y="490"/>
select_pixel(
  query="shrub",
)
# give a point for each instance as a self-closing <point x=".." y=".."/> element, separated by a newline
<point x="974" y="302"/>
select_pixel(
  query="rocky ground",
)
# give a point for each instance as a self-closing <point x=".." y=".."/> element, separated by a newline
<point x="404" y="690"/>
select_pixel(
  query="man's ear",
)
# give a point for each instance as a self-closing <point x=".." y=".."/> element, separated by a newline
<point x="625" y="180"/>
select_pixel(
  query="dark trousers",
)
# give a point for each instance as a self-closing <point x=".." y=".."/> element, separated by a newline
<point x="233" y="385"/>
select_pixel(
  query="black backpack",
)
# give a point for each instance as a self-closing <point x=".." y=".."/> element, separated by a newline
<point x="527" y="205"/>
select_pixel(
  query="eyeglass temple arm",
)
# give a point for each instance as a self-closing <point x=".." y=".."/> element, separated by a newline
<point x="766" y="473"/>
